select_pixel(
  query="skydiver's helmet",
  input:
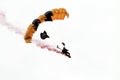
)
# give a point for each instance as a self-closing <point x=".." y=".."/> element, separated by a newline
<point x="44" y="35"/>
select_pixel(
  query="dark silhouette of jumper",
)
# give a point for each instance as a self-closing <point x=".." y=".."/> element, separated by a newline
<point x="64" y="50"/>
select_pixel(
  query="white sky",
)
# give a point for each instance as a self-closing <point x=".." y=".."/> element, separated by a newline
<point x="91" y="33"/>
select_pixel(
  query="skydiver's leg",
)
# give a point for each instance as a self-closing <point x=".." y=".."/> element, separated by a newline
<point x="68" y="54"/>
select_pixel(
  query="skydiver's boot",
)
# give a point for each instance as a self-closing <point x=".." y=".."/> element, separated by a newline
<point x="67" y="54"/>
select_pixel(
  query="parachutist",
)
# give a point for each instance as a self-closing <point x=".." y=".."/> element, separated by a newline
<point x="64" y="50"/>
<point x="44" y="35"/>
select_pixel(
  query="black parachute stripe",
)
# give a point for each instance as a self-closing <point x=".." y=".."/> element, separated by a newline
<point x="48" y="15"/>
<point x="36" y="23"/>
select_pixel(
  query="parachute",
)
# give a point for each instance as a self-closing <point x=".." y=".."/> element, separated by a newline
<point x="54" y="14"/>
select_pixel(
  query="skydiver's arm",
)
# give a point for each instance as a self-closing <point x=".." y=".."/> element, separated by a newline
<point x="59" y="47"/>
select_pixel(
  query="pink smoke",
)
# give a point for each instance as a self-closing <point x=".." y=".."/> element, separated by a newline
<point x="8" y="25"/>
<point x="19" y="31"/>
<point x="43" y="46"/>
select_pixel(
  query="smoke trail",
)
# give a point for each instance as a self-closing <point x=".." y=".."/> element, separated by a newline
<point x="11" y="27"/>
<point x="41" y="45"/>
<point x="8" y="25"/>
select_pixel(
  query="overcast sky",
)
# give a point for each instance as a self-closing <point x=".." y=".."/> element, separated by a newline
<point x="91" y="33"/>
